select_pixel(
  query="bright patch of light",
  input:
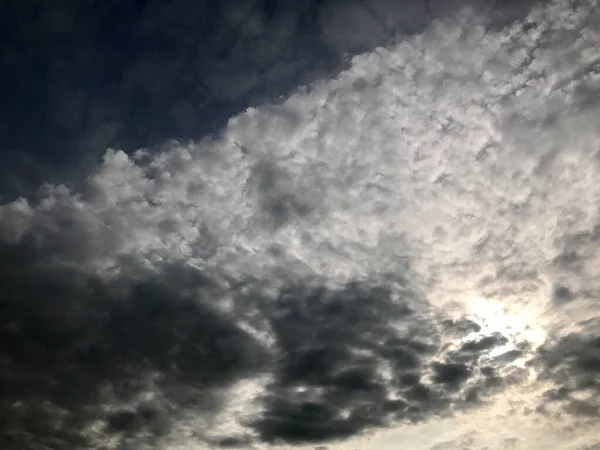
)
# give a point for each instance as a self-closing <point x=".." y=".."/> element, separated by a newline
<point x="517" y="326"/>
<point x="241" y="404"/>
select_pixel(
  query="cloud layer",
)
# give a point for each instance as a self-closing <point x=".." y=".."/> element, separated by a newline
<point x="409" y="241"/>
<point x="124" y="361"/>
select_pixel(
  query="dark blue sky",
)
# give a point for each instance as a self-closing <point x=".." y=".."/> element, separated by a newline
<point x="78" y="77"/>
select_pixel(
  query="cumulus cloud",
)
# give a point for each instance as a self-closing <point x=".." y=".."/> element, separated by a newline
<point x="383" y="248"/>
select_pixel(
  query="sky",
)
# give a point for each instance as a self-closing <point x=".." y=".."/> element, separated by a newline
<point x="326" y="225"/>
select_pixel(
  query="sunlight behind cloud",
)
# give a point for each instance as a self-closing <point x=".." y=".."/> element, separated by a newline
<point x="517" y="326"/>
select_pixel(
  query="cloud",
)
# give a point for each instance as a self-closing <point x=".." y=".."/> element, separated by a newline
<point x="571" y="364"/>
<point x="125" y="360"/>
<point x="591" y="447"/>
<point x="451" y="373"/>
<point x="341" y="356"/>
<point x="78" y="350"/>
<point x="110" y="318"/>
<point x="484" y="343"/>
<point x="383" y="248"/>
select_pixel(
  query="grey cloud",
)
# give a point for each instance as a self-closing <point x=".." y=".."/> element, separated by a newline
<point x="138" y="354"/>
<point x="461" y="326"/>
<point x="331" y="381"/>
<point x="73" y="346"/>
<point x="572" y="363"/>
<point x="280" y="197"/>
<point x="479" y="349"/>
<point x="334" y="343"/>
<point x="231" y="442"/>
<point x="484" y="343"/>
<point x="451" y="373"/>
<point x="512" y="355"/>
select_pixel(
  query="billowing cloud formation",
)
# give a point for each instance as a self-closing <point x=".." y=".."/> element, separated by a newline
<point x="93" y="360"/>
<point x="77" y="350"/>
<point x="380" y="249"/>
<point x="572" y="364"/>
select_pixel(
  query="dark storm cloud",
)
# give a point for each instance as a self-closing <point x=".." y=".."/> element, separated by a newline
<point x="76" y="349"/>
<point x="484" y="343"/>
<point x="572" y="363"/>
<point x="331" y="380"/>
<point x="451" y="374"/>
<point x="128" y="74"/>
<point x="333" y="345"/>
<point x="561" y="294"/>
<point x="72" y="344"/>
<point x="231" y="442"/>
<point x="472" y="349"/>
